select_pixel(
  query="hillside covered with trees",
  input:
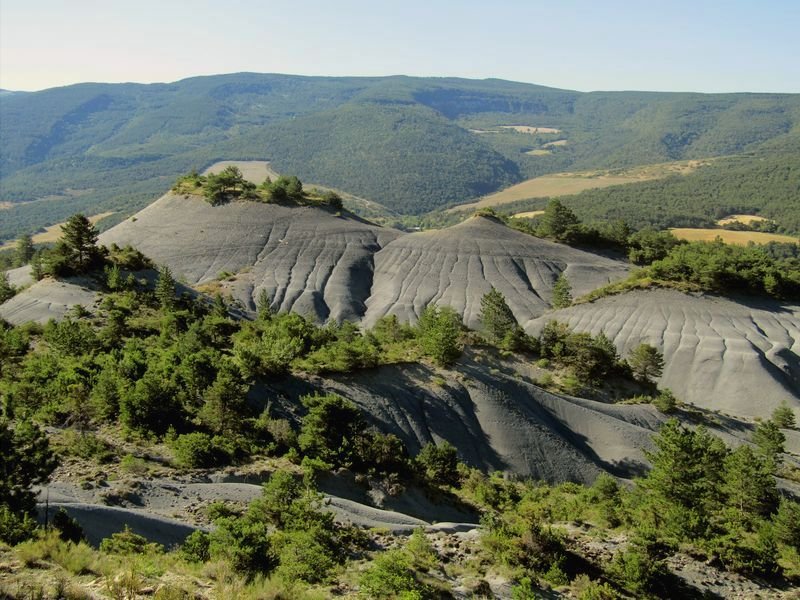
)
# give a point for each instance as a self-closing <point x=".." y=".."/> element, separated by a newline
<point x="412" y="144"/>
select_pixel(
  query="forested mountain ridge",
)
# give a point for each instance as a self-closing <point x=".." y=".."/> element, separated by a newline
<point x="412" y="144"/>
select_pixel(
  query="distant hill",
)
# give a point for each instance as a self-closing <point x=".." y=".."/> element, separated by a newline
<point x="411" y="144"/>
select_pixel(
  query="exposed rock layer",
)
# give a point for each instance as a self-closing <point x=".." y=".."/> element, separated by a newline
<point x="741" y="358"/>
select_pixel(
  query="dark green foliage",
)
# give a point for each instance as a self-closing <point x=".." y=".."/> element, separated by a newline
<point x="769" y="441"/>
<point x="749" y="486"/>
<point x="283" y="530"/>
<point x="787" y="523"/>
<point x="165" y="288"/>
<point x="683" y="487"/>
<point x="499" y="324"/>
<point x="331" y="429"/>
<point x="223" y="186"/>
<point x="68" y="528"/>
<point x="23" y="250"/>
<point x="557" y="222"/>
<point x="562" y="292"/>
<point x="589" y="357"/>
<point x="77" y="250"/>
<point x="720" y="267"/>
<point x="196" y="547"/>
<point x="439" y="463"/>
<point x="648" y="245"/>
<point x="646" y="362"/>
<point x="6" y="290"/>
<point x="199" y="450"/>
<point x="440" y="334"/>
<point x="25" y="460"/>
<point x="151" y="405"/>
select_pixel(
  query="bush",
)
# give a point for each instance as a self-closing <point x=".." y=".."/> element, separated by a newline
<point x="666" y="402"/>
<point x="391" y="576"/>
<point x="635" y="569"/>
<point x="16" y="527"/>
<point x="439" y="463"/>
<point x="128" y="542"/>
<point x="68" y="528"/>
<point x="198" y="451"/>
<point x="196" y="547"/>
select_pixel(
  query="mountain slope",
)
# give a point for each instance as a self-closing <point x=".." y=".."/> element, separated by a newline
<point x="458" y="265"/>
<point x="741" y="358"/>
<point x="414" y="144"/>
<point x="306" y="259"/>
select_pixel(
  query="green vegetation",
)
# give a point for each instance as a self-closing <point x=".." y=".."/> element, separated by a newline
<point x="230" y="185"/>
<point x="94" y="147"/>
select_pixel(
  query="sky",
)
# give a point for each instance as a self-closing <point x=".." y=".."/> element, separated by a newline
<point x="664" y="45"/>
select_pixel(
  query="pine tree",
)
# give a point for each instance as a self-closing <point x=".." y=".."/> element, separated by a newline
<point x="80" y="239"/>
<point x="684" y="482"/>
<point x="645" y="362"/>
<point x="769" y="441"/>
<point x="440" y="333"/>
<point x="562" y="292"/>
<point x="6" y="291"/>
<point x="24" y="250"/>
<point x="496" y="317"/>
<point x="165" y="288"/>
<point x="749" y="486"/>
<point x="557" y="221"/>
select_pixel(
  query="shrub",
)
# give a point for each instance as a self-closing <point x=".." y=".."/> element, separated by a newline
<point x="128" y="542"/>
<point x="783" y="416"/>
<point x="68" y="528"/>
<point x="391" y="576"/>
<point x="198" y="451"/>
<point x="666" y="402"/>
<point x="635" y="569"/>
<point x="196" y="547"/>
<point x="439" y="463"/>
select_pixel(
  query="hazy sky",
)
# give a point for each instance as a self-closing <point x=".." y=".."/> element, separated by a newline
<point x="700" y="45"/>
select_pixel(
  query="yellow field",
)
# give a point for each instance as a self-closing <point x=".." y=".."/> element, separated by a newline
<point x="741" y="238"/>
<point x="53" y="233"/>
<point x="556" y="143"/>
<point x="6" y="205"/>
<point x="565" y="184"/>
<point x="252" y="170"/>
<point x="528" y="215"/>
<point x="746" y="219"/>
<point x="538" y="152"/>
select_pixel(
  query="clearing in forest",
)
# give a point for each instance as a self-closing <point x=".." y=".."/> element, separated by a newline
<point x="53" y="232"/>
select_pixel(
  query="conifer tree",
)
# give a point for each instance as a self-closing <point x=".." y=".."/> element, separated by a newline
<point x="646" y="362"/>
<point x="6" y="291"/>
<point x="496" y="317"/>
<point x="783" y="416"/>
<point x="80" y="240"/>
<point x="24" y="250"/>
<point x="562" y="292"/>
<point x="440" y="333"/>
<point x="165" y="288"/>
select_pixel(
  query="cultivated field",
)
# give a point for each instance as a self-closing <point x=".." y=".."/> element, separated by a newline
<point x="741" y="238"/>
<point x="566" y="184"/>
<point x="53" y="233"/>
<point x="745" y="219"/>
